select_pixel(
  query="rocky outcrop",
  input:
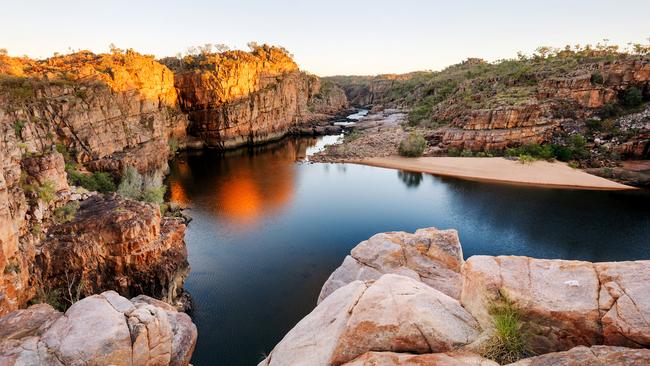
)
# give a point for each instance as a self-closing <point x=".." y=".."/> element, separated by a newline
<point x="238" y="98"/>
<point x="384" y="313"/>
<point x="592" y="356"/>
<point x="565" y="303"/>
<point x="431" y="359"/>
<point x="118" y="244"/>
<point x="395" y="313"/>
<point x="104" y="329"/>
<point x="429" y="255"/>
<point x="95" y="106"/>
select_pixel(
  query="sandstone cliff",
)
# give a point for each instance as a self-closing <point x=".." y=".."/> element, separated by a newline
<point x="237" y="98"/>
<point x="98" y="112"/>
<point x="480" y="106"/>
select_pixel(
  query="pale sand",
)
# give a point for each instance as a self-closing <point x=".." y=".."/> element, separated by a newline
<point x="538" y="173"/>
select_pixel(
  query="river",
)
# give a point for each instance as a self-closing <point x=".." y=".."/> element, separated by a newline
<point x="269" y="228"/>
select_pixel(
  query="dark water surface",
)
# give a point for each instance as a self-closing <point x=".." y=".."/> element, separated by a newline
<point x="267" y="232"/>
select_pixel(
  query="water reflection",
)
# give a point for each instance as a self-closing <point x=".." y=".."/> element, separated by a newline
<point x="245" y="184"/>
<point x="267" y="232"/>
<point x="410" y="179"/>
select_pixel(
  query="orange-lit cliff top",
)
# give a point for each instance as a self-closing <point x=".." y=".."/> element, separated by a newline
<point x="121" y="71"/>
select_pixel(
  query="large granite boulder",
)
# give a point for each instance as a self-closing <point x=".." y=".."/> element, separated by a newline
<point x="104" y="329"/>
<point x="395" y="313"/>
<point x="591" y="356"/>
<point x="558" y="299"/>
<point x="624" y="301"/>
<point x="431" y="359"/>
<point x="429" y="255"/>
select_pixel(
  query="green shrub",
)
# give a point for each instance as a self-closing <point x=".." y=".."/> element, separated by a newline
<point x="594" y="124"/>
<point x="12" y="267"/>
<point x="135" y="187"/>
<point x="526" y="159"/>
<point x="597" y="78"/>
<point x="97" y="181"/>
<point x="18" y="128"/>
<point x="47" y="192"/>
<point x="466" y="153"/>
<point x="66" y="213"/>
<point x="509" y="342"/>
<point x="413" y="145"/>
<point x="173" y="145"/>
<point x="632" y="97"/>
<point x="577" y="144"/>
<point x="131" y="183"/>
<point x="561" y="153"/>
<point x="452" y="151"/>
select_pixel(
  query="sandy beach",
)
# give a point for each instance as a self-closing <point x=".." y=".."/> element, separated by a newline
<point x="539" y="173"/>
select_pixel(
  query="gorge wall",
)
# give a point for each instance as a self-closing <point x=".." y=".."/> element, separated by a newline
<point x="69" y="116"/>
<point x="482" y="106"/>
<point x="237" y="98"/>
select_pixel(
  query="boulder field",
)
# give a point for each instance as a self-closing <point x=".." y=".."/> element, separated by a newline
<point x="411" y="299"/>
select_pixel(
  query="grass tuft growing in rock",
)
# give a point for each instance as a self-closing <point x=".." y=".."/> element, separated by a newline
<point x="509" y="342"/>
<point x="413" y="145"/>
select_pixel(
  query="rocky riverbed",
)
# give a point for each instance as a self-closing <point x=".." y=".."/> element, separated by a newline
<point x="411" y="299"/>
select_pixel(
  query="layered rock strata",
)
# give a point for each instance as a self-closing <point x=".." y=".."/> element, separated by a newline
<point x="237" y="98"/>
<point x="104" y="329"/>
<point x="117" y="244"/>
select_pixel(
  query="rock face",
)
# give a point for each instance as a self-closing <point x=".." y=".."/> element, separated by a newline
<point x="431" y="359"/>
<point x="492" y="110"/>
<point x="593" y="356"/>
<point x="378" y="308"/>
<point x="559" y="299"/>
<point x="395" y="313"/>
<point x="104" y="329"/>
<point x="116" y="243"/>
<point x="624" y="299"/>
<point x="237" y="98"/>
<point x="96" y="106"/>
<point x="429" y="255"/>
<point x="564" y="303"/>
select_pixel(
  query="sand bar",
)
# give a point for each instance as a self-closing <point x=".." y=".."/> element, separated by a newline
<point x="539" y="173"/>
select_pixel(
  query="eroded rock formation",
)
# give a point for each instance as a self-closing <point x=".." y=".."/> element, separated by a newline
<point x="373" y="316"/>
<point x="429" y="255"/>
<point x="237" y="98"/>
<point x="117" y="244"/>
<point x="104" y="329"/>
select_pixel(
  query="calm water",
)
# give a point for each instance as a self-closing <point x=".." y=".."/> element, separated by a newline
<point x="267" y="232"/>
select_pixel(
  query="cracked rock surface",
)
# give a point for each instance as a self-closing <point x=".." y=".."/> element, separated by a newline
<point x="104" y="329"/>
<point x="429" y="255"/>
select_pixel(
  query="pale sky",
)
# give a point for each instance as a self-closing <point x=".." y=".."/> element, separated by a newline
<point x="327" y="37"/>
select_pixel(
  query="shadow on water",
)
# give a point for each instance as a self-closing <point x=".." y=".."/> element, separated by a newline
<point x="267" y="232"/>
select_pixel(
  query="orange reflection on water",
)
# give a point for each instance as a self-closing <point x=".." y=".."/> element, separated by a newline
<point x="241" y="186"/>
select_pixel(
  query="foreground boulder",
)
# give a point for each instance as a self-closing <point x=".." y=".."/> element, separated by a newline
<point x="104" y="329"/>
<point x="593" y="356"/>
<point x="558" y="299"/>
<point x="432" y="359"/>
<point x="429" y="255"/>
<point x="564" y="303"/>
<point x="395" y="313"/>
<point x="624" y="299"/>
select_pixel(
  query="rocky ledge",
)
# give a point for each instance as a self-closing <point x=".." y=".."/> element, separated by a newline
<point x="114" y="243"/>
<point x="104" y="329"/>
<point x="411" y="299"/>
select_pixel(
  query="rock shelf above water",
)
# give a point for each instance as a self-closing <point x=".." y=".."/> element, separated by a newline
<point x="378" y="308"/>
